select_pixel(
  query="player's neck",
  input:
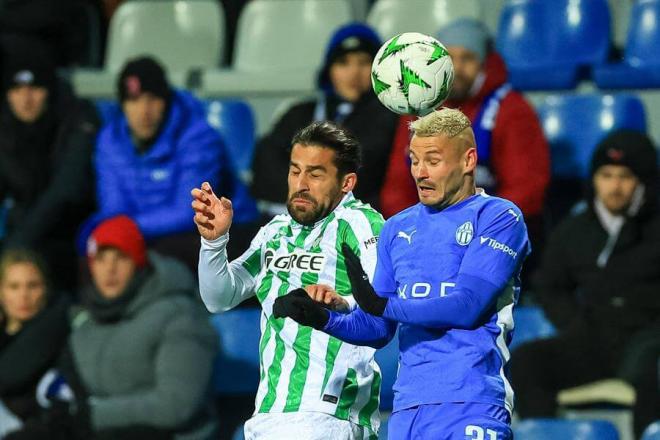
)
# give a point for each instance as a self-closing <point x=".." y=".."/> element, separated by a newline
<point x="466" y="191"/>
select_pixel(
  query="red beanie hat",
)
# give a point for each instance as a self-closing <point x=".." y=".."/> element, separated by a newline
<point x="122" y="233"/>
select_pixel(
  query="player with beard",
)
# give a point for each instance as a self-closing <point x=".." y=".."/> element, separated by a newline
<point x="312" y="386"/>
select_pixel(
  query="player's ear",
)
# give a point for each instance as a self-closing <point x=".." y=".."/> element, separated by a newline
<point x="470" y="160"/>
<point x="348" y="182"/>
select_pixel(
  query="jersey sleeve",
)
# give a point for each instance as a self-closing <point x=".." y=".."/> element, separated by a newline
<point x="361" y="231"/>
<point x="383" y="281"/>
<point x="224" y="285"/>
<point x="493" y="258"/>
<point x="499" y="248"/>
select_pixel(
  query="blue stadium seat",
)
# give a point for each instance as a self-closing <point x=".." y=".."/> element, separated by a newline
<point x="553" y="429"/>
<point x="234" y="119"/>
<point x="640" y="67"/>
<point x="652" y="432"/>
<point x="236" y="369"/>
<point x="388" y="361"/>
<point x="547" y="45"/>
<point x="574" y="124"/>
<point x="530" y="324"/>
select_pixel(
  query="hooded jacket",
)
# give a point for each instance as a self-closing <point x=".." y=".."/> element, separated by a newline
<point x="368" y="120"/>
<point x="46" y="169"/>
<point x="153" y="365"/>
<point x="153" y="188"/>
<point x="520" y="159"/>
<point x="618" y="295"/>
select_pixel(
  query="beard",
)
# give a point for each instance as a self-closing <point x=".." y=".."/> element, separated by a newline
<point x="309" y="215"/>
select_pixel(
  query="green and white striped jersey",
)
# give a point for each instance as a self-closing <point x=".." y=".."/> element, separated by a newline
<point x="303" y="369"/>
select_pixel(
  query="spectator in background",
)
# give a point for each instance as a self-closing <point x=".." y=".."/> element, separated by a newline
<point x="141" y="349"/>
<point x="514" y="160"/>
<point x="46" y="141"/>
<point x="33" y="331"/>
<point x="346" y="98"/>
<point x="599" y="283"/>
<point x="153" y="150"/>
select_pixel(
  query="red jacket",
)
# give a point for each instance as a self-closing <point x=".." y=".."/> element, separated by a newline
<point x="519" y="152"/>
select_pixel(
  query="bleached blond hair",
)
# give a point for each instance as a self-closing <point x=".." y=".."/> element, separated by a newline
<point x="446" y="121"/>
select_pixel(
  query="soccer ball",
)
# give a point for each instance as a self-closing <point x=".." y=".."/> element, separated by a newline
<point x="412" y="73"/>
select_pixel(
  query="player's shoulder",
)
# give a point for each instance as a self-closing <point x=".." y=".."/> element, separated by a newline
<point x="356" y="210"/>
<point x="402" y="219"/>
<point x="492" y="209"/>
<point x="275" y="224"/>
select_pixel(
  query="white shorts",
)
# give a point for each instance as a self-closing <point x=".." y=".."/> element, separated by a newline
<point x="303" y="426"/>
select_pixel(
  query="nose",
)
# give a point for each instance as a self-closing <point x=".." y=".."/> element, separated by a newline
<point x="301" y="182"/>
<point x="419" y="171"/>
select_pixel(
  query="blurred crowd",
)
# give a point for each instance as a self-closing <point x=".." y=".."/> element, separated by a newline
<point x="102" y="334"/>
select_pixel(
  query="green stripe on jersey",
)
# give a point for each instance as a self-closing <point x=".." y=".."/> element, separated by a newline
<point x="330" y="356"/>
<point x="253" y="263"/>
<point x="348" y="394"/>
<point x="275" y="369"/>
<point x="367" y="411"/>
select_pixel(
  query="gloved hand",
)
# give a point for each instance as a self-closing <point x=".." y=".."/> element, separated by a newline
<point x="298" y="306"/>
<point x="363" y="292"/>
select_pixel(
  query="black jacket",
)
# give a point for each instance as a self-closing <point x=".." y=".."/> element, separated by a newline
<point x="370" y="122"/>
<point x="27" y="355"/>
<point x="46" y="170"/>
<point x="616" y="300"/>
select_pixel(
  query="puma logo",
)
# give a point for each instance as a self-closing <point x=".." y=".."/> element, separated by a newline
<point x="406" y="236"/>
<point x="513" y="213"/>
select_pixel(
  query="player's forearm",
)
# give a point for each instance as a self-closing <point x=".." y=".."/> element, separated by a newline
<point x="360" y="328"/>
<point x="463" y="308"/>
<point x="222" y="285"/>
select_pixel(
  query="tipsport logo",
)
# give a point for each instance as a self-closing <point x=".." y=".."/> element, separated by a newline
<point x="496" y="245"/>
<point x="302" y="261"/>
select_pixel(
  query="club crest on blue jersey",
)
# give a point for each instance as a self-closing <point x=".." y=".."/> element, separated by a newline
<point x="464" y="233"/>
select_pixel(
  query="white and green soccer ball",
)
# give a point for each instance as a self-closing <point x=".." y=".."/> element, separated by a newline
<point x="412" y="73"/>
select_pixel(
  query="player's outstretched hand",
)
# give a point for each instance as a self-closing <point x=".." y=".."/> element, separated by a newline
<point x="363" y="292"/>
<point x="298" y="306"/>
<point x="213" y="215"/>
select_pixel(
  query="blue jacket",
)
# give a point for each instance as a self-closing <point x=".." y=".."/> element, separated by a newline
<point x="154" y="188"/>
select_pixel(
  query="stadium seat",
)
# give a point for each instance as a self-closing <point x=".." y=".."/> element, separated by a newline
<point x="652" y="432"/>
<point x="182" y="34"/>
<point x="235" y="121"/>
<point x="286" y="35"/>
<point x="553" y="429"/>
<point x="548" y="45"/>
<point x="574" y="124"/>
<point x="530" y="324"/>
<point x="392" y="17"/>
<point x="236" y="369"/>
<point x="388" y="361"/>
<point x="640" y="67"/>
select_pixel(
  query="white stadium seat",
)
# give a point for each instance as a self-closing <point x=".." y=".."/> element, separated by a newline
<point x="287" y="34"/>
<point x="182" y="34"/>
<point x="392" y="17"/>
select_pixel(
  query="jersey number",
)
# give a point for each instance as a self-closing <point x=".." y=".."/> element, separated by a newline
<point x="473" y="432"/>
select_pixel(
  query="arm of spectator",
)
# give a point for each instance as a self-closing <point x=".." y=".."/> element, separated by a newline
<point x="70" y="188"/>
<point x="202" y="158"/>
<point x="110" y="191"/>
<point x="555" y="286"/>
<point x="521" y="157"/>
<point x="35" y="348"/>
<point x="183" y="367"/>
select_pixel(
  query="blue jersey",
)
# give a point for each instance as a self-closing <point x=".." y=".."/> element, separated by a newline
<point x="453" y="277"/>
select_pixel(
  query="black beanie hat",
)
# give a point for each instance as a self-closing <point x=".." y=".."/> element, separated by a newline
<point x="629" y="148"/>
<point x="142" y="75"/>
<point x="28" y="65"/>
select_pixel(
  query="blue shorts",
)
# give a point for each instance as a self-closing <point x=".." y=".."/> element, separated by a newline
<point x="451" y="421"/>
